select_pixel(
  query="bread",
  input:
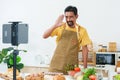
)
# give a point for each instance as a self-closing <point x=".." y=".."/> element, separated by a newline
<point x="10" y="72"/>
<point x="6" y="77"/>
<point x="59" y="77"/>
<point x="38" y="76"/>
<point x="9" y="75"/>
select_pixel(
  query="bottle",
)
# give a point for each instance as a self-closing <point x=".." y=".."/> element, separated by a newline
<point x="100" y="48"/>
<point x="104" y="48"/>
<point x="99" y="74"/>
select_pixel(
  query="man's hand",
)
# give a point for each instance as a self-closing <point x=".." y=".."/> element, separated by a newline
<point x="59" y="20"/>
<point x="58" y="23"/>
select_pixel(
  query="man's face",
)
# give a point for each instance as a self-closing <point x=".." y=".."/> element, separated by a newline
<point x="70" y="18"/>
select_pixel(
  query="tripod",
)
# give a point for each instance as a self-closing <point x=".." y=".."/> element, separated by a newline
<point x="15" y="53"/>
<point x="15" y="34"/>
<point x="14" y="41"/>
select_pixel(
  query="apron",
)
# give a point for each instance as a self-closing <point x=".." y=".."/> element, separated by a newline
<point x="66" y="52"/>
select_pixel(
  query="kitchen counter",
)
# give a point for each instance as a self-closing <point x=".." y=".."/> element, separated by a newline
<point x="44" y="68"/>
<point x="48" y="77"/>
<point x="35" y="69"/>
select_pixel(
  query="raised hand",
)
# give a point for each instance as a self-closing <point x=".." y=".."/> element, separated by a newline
<point x="59" y="20"/>
<point x="58" y="23"/>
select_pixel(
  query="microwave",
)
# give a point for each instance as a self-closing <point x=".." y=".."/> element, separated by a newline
<point x="107" y="58"/>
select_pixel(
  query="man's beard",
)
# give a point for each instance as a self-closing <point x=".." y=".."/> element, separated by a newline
<point x="70" y="23"/>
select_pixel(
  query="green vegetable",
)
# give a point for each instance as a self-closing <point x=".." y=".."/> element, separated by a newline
<point x="88" y="72"/>
<point x="117" y="77"/>
<point x="69" y="67"/>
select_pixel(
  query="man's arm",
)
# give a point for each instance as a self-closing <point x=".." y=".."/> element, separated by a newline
<point x="58" y="23"/>
<point x="85" y="55"/>
<point x="48" y="32"/>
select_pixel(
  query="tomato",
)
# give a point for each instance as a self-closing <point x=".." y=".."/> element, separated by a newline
<point x="71" y="73"/>
<point x="92" y="77"/>
<point x="77" y="69"/>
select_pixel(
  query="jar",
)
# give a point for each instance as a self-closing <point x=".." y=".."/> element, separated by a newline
<point x="104" y="48"/>
<point x="100" y="48"/>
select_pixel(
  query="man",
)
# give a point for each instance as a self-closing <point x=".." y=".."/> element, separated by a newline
<point x="70" y="36"/>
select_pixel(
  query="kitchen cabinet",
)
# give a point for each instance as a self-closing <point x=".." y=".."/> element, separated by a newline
<point x="91" y="58"/>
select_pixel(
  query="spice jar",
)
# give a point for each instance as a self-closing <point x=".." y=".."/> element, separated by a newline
<point x="104" y="48"/>
<point x="100" y="48"/>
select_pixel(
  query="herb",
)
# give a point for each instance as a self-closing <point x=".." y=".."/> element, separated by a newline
<point x="88" y="72"/>
<point x="70" y="67"/>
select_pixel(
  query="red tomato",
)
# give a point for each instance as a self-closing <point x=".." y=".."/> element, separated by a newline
<point x="71" y="73"/>
<point x="92" y="77"/>
<point x="77" y="69"/>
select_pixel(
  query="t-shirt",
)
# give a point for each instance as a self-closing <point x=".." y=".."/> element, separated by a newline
<point x="82" y="34"/>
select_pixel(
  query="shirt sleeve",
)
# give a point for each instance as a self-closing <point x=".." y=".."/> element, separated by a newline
<point x="85" y="40"/>
<point x="55" y="32"/>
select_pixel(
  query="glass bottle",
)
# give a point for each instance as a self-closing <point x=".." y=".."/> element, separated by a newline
<point x="100" y="74"/>
<point x="100" y="48"/>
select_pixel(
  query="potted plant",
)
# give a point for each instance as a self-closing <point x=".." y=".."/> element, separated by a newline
<point x="6" y="56"/>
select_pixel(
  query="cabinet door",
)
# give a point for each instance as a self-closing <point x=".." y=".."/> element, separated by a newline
<point x="91" y="58"/>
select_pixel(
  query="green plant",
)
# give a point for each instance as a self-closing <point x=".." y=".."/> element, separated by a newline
<point x="6" y="56"/>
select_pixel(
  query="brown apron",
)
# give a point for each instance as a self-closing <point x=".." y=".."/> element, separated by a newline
<point x="66" y="52"/>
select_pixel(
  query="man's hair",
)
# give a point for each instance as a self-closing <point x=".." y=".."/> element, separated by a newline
<point x="71" y="9"/>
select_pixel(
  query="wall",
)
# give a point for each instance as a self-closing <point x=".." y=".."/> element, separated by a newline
<point x="100" y="18"/>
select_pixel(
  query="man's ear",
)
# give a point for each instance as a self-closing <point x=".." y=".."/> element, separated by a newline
<point x="77" y="16"/>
